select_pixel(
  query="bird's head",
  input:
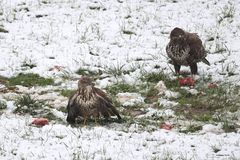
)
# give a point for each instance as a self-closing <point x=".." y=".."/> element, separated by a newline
<point x="177" y="33"/>
<point x="85" y="81"/>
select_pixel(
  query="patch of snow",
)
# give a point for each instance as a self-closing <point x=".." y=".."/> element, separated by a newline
<point x="193" y="91"/>
<point x="10" y="106"/>
<point x="103" y="83"/>
<point x="59" y="114"/>
<point x="10" y="96"/>
<point x="171" y="94"/>
<point x="48" y="96"/>
<point x="60" y="102"/>
<point x="2" y="86"/>
<point x="24" y="89"/>
<point x="209" y="128"/>
<point x="166" y="103"/>
<point x="130" y="99"/>
<point x="129" y="79"/>
<point x="35" y="89"/>
<point x="161" y="87"/>
<point x="151" y="112"/>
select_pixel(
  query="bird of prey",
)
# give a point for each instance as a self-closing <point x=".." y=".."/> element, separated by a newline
<point x="185" y="49"/>
<point x="89" y="102"/>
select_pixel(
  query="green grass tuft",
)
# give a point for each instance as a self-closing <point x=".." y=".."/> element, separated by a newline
<point x="209" y="104"/>
<point x="3" y="30"/>
<point x="63" y="109"/>
<point x="30" y="79"/>
<point x="151" y="95"/>
<point x="67" y="92"/>
<point x="154" y="77"/>
<point x="26" y="104"/>
<point x="51" y="117"/>
<point x="160" y="76"/>
<point x="129" y="32"/>
<point x="3" y="104"/>
<point x="115" y="70"/>
<point x="86" y="72"/>
<point x="229" y="127"/>
<point x="121" y="87"/>
<point x="3" y="79"/>
<point x="192" y="129"/>
<point x="205" y="117"/>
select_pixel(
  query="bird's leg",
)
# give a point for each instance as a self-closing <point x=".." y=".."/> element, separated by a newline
<point x="96" y="116"/>
<point x="84" y="121"/>
<point x="194" y="69"/>
<point x="95" y="120"/>
<point x="177" y="69"/>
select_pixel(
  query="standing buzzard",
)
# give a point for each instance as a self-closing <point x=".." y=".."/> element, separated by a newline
<point x="186" y="49"/>
<point x="89" y="101"/>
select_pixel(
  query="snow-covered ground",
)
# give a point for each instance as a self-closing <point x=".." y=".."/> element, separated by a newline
<point x="74" y="34"/>
<point x="21" y="141"/>
<point x="106" y="34"/>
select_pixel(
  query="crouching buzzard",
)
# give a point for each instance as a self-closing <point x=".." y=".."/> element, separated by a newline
<point x="89" y="102"/>
<point x="186" y="49"/>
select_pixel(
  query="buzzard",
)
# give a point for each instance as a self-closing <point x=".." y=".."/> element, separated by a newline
<point x="89" y="102"/>
<point x="186" y="49"/>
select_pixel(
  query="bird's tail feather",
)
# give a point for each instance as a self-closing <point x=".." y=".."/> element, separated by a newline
<point x="109" y="110"/>
<point x="204" y="60"/>
<point x="115" y="112"/>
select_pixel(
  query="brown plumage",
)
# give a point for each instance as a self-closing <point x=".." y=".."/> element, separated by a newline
<point x="89" y="102"/>
<point x="186" y="49"/>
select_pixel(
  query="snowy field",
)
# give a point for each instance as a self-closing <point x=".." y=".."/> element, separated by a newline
<point x="58" y="37"/>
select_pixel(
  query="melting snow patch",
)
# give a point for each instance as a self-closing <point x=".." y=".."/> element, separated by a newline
<point x="103" y="83"/>
<point x="161" y="87"/>
<point x="130" y="99"/>
<point x="129" y="79"/>
<point x="59" y="114"/>
<point x="171" y="94"/>
<point x="166" y="103"/>
<point x="24" y="89"/>
<point x="193" y="91"/>
<point x="133" y="128"/>
<point x="2" y="86"/>
<point x="60" y="102"/>
<point x="209" y="128"/>
<point x="10" y="96"/>
<point x="10" y="106"/>
<point x="158" y="113"/>
<point x="48" y="96"/>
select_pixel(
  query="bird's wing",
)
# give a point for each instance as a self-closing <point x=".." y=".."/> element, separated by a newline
<point x="196" y="46"/>
<point x="102" y="94"/>
<point x="194" y="41"/>
<point x="105" y="104"/>
<point x="71" y="100"/>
